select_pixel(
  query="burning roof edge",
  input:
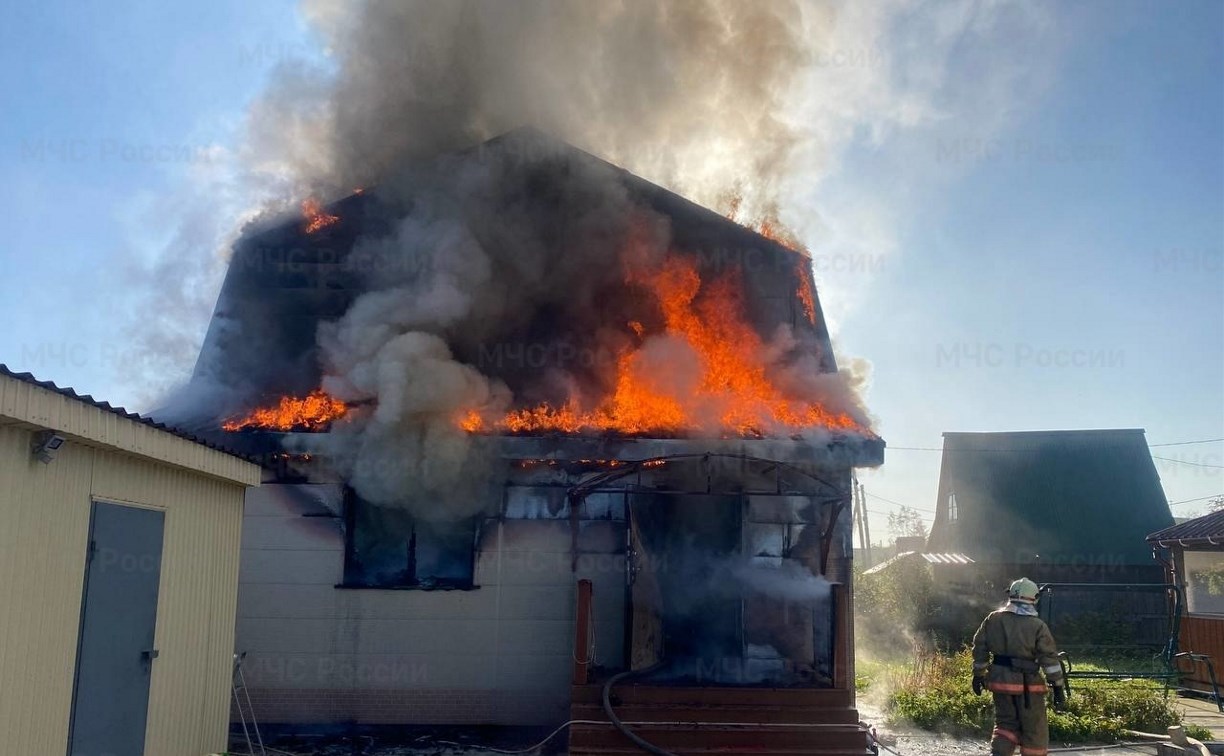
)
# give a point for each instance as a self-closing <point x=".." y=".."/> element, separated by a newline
<point x="232" y="466"/>
<point x="534" y="143"/>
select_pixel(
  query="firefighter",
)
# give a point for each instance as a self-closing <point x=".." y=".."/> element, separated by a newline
<point x="1011" y="649"/>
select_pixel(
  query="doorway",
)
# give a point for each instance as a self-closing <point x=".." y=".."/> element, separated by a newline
<point x="115" y="653"/>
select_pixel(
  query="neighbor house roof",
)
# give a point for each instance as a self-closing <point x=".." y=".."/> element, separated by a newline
<point x="25" y="400"/>
<point x="1085" y="497"/>
<point x="1207" y="530"/>
<point x="929" y="558"/>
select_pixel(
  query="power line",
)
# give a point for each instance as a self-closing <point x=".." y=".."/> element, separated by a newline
<point x="1184" y="443"/>
<point x="890" y="447"/>
<point x="899" y="504"/>
<point x="1201" y="498"/>
<point x="877" y="512"/>
<point x="1186" y="462"/>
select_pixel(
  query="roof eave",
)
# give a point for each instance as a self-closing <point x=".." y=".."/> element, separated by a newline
<point x="25" y="402"/>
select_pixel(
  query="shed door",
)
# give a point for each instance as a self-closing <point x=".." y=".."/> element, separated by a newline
<point x="118" y="617"/>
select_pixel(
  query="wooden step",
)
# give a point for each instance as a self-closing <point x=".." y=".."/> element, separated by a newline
<point x="630" y="693"/>
<point x="738" y="713"/>
<point x="728" y="738"/>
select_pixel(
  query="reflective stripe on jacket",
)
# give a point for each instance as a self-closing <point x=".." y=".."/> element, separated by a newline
<point x="1006" y="633"/>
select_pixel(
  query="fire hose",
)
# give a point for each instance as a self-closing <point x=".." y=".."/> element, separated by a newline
<point x="637" y="740"/>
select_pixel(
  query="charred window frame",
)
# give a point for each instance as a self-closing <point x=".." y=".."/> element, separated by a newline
<point x="387" y="547"/>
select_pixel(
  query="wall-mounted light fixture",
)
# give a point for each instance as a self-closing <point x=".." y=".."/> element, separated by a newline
<point x="46" y="444"/>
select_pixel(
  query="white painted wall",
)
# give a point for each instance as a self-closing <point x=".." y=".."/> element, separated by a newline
<point x="499" y="654"/>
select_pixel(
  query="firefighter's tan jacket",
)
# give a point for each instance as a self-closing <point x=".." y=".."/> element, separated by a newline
<point x="1020" y="636"/>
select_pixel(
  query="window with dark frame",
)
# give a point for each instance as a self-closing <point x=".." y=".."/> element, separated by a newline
<point x="389" y="547"/>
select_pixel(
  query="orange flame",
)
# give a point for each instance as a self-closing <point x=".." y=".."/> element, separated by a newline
<point x="730" y="391"/>
<point x="806" y="286"/>
<point x="310" y="412"/>
<point x="767" y="224"/>
<point x="316" y="216"/>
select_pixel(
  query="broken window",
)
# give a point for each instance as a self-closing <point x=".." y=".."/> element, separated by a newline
<point x="388" y="547"/>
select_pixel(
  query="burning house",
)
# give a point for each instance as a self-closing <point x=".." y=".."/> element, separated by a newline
<point x="530" y="421"/>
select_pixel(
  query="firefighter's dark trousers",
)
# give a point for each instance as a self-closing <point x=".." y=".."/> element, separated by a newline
<point x="1020" y="727"/>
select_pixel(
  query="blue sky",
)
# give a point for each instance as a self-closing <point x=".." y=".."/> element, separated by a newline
<point x="1090" y="228"/>
<point x="1063" y="268"/>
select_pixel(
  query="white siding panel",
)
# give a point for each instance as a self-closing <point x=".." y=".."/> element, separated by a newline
<point x="537" y="602"/>
<point x="310" y="567"/>
<point x="294" y="532"/>
<point x="513" y="634"/>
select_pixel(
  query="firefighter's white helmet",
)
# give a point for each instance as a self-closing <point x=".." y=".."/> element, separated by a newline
<point x="1023" y="590"/>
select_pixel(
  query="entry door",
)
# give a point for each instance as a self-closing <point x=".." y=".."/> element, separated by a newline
<point x="118" y="617"/>
<point x="680" y="546"/>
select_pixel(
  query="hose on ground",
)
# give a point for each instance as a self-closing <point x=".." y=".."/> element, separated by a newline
<point x="637" y="740"/>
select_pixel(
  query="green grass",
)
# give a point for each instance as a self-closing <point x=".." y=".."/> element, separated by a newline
<point x="933" y="693"/>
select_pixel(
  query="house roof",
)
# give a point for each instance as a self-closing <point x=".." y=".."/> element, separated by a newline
<point x="1085" y="497"/>
<point x="929" y="558"/>
<point x="282" y="282"/>
<point x="26" y="400"/>
<point x="1206" y="530"/>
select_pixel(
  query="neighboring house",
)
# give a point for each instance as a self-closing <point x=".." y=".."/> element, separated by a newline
<point x="1056" y="506"/>
<point x="941" y="564"/>
<point x="359" y="615"/>
<point x="1192" y="553"/>
<point x="881" y="553"/>
<point x="119" y="544"/>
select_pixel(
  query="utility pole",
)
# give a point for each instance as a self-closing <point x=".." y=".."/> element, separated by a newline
<point x="862" y="494"/>
<point x="860" y="517"/>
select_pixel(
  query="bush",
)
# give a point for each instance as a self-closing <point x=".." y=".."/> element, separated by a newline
<point x="903" y="604"/>
<point x="935" y="695"/>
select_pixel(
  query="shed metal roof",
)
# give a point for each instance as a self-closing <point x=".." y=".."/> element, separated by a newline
<point x="26" y="400"/>
<point x="1082" y="497"/>
<point x="1206" y="530"/>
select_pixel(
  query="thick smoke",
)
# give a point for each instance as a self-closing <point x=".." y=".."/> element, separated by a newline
<point x="472" y="258"/>
<point x="696" y="94"/>
<point x="693" y="94"/>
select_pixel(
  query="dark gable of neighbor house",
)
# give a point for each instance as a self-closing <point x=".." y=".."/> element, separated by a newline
<point x="1062" y="505"/>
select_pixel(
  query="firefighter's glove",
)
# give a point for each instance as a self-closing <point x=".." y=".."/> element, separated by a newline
<point x="979" y="685"/>
<point x="1060" y="697"/>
